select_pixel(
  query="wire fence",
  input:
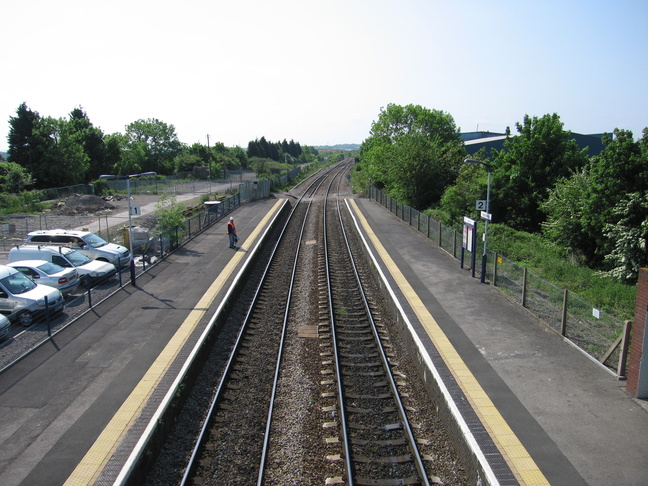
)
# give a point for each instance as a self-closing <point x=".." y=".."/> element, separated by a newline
<point x="595" y="331"/>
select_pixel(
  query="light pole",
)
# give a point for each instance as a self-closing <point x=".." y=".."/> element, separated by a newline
<point x="486" y="216"/>
<point x="128" y="178"/>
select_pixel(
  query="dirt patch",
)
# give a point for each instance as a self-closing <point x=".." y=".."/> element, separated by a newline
<point x="85" y="204"/>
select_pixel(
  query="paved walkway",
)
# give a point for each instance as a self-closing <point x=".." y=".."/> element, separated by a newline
<point x="567" y="410"/>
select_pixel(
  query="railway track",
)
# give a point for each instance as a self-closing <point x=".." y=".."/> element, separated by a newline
<point x="311" y="389"/>
<point x="378" y="444"/>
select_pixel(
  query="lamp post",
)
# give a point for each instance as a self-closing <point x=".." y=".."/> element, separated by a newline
<point x="486" y="216"/>
<point x="128" y="178"/>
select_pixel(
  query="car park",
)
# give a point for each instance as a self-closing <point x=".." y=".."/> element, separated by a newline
<point x="23" y="301"/>
<point x="91" y="245"/>
<point x="92" y="270"/>
<point x="42" y="272"/>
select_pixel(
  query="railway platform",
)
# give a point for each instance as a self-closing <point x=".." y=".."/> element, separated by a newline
<point x="75" y="409"/>
<point x="552" y="415"/>
<point x="540" y="394"/>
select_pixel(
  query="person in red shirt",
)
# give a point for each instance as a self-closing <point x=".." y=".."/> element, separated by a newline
<point x="231" y="232"/>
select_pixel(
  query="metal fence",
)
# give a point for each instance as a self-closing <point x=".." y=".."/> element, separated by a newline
<point x="593" y="330"/>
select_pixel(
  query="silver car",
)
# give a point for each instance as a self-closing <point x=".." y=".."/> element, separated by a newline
<point x="42" y="272"/>
<point x="22" y="301"/>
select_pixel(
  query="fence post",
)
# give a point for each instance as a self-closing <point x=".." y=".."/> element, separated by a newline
<point x="563" y="320"/>
<point x="625" y="344"/>
<point x="495" y="269"/>
<point x="440" y="229"/>
<point x="524" y="284"/>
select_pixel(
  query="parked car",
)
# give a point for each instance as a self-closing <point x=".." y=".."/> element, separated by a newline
<point x="22" y="301"/>
<point x="42" y="272"/>
<point x="91" y="245"/>
<point x="94" y="270"/>
<point x="4" y="327"/>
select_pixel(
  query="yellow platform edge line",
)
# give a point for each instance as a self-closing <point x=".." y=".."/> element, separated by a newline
<point x="515" y="454"/>
<point x="88" y="470"/>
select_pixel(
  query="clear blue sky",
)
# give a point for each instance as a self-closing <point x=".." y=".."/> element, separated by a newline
<point x="318" y="71"/>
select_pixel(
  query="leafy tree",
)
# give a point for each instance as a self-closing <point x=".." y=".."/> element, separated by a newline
<point x="170" y="215"/>
<point x="14" y="178"/>
<point x="629" y="236"/>
<point x="240" y="155"/>
<point x="157" y="144"/>
<point x="528" y="166"/>
<point x="22" y="149"/>
<point x="458" y="200"/>
<point x="565" y="224"/>
<point x="186" y="162"/>
<point x="414" y="152"/>
<point x="62" y="160"/>
<point x="581" y="208"/>
<point x="92" y="140"/>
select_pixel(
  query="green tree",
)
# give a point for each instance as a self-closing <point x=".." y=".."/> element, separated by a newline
<point x="92" y="140"/>
<point x="157" y="144"/>
<point x="581" y="208"/>
<point x="566" y="224"/>
<point x="14" y="178"/>
<point x="528" y="167"/>
<point x="186" y="162"/>
<point x="629" y="236"/>
<point x="170" y="216"/>
<point x="22" y="148"/>
<point x="414" y="152"/>
<point x="62" y="160"/>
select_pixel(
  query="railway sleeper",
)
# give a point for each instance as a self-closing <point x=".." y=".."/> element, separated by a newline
<point x="384" y="460"/>
<point x="388" y="482"/>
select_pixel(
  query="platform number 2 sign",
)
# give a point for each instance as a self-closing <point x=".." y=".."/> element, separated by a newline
<point x="481" y="205"/>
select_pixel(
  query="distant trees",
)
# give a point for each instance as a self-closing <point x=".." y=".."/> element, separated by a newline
<point x="276" y="151"/>
<point x="59" y="152"/>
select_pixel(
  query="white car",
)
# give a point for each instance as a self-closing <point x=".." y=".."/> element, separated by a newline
<point x="94" y="270"/>
<point x="21" y="300"/>
<point x="91" y="245"/>
<point x="42" y="272"/>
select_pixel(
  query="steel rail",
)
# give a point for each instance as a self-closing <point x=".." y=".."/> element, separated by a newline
<point x="266" y="438"/>
<point x="338" y="372"/>
<point x="416" y="455"/>
<point x="192" y="464"/>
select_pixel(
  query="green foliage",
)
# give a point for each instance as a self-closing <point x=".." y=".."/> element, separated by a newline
<point x="549" y="262"/>
<point x="359" y="179"/>
<point x="101" y="187"/>
<point x="582" y="208"/>
<point x="14" y="178"/>
<point x="169" y="212"/>
<point x="277" y="151"/>
<point x="267" y="167"/>
<point x="157" y="145"/>
<point x="414" y="152"/>
<point x="185" y="162"/>
<point x="24" y="202"/>
<point x="529" y="167"/>
<point x="630" y="237"/>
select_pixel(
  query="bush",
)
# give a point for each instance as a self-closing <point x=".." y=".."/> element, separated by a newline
<point x="25" y="202"/>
